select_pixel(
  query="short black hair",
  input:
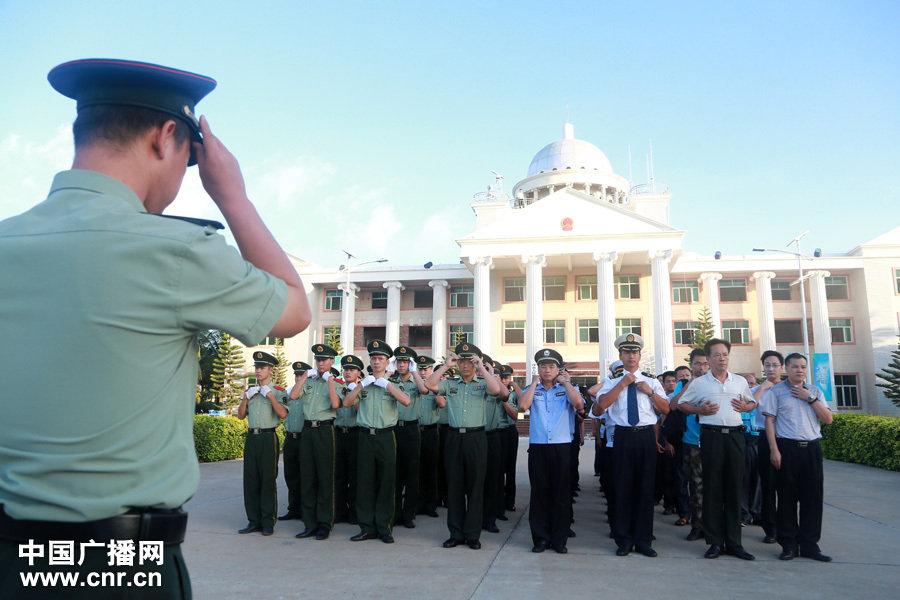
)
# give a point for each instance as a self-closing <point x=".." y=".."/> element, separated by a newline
<point x="668" y="374"/>
<point x="716" y="342"/>
<point x="121" y="124"/>
<point x="769" y="353"/>
<point x="695" y="353"/>
<point x="681" y="368"/>
<point x="795" y="356"/>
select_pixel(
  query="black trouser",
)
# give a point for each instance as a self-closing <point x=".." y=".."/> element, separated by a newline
<point x="575" y="449"/>
<point x="767" y="495"/>
<point x="750" y="493"/>
<point x="377" y="472"/>
<point x="317" y="487"/>
<point x="723" y="479"/>
<point x="409" y="441"/>
<point x="634" y="460"/>
<point x="429" y="493"/>
<point x="549" y="473"/>
<point x="680" y="482"/>
<point x="493" y="494"/>
<point x="443" y="430"/>
<point x="608" y="481"/>
<point x="260" y="474"/>
<point x="800" y="481"/>
<point x="345" y="476"/>
<point x="292" y="473"/>
<point x="509" y="444"/>
<point x="466" y="460"/>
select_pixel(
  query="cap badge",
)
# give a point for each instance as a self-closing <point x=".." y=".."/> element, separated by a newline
<point x="546" y="353"/>
<point x="257" y="355"/>
<point x="465" y="346"/>
<point x="630" y="338"/>
<point x="319" y="348"/>
<point x="374" y="344"/>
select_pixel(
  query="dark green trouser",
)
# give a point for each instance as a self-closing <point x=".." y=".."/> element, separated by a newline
<point x="260" y="473"/>
<point x="429" y="494"/>
<point x="492" y="492"/>
<point x="292" y="473"/>
<point x="317" y="485"/>
<point x="345" y="475"/>
<point x="723" y="480"/>
<point x="409" y="441"/>
<point x="443" y="430"/>
<point x="466" y="458"/>
<point x="168" y="581"/>
<point x="377" y="469"/>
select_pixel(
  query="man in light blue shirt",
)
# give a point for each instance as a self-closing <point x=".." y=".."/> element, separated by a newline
<point x="553" y="402"/>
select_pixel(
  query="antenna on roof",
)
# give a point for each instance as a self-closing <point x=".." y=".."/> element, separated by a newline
<point x="651" y="163"/>
<point x="630" y="178"/>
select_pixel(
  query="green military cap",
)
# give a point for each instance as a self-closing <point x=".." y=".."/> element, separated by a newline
<point x="335" y="372"/>
<point x="351" y="362"/>
<point x="369" y="369"/>
<point x="506" y="371"/>
<point x="630" y="342"/>
<point x="487" y="360"/>
<point x="300" y="367"/>
<point x="424" y="361"/>
<point x="548" y="355"/>
<point x="467" y="350"/>
<point x="321" y="351"/>
<point x="405" y="352"/>
<point x="264" y="359"/>
<point x="379" y="347"/>
<point x="111" y="81"/>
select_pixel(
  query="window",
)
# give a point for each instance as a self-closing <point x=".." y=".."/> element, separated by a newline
<point x="462" y="296"/>
<point x="373" y="333"/>
<point x="836" y="288"/>
<point x="588" y="332"/>
<point x="271" y="341"/>
<point x="685" y="332"/>
<point x="514" y="332"/>
<point x="554" y="288"/>
<point x="628" y="287"/>
<point x="423" y="299"/>
<point x="555" y="331"/>
<point x="334" y="299"/>
<point x="790" y="331"/>
<point x="841" y="332"/>
<point x="624" y="326"/>
<point x="685" y="291"/>
<point x="782" y="289"/>
<point x="514" y="290"/>
<point x="736" y="332"/>
<point x="379" y="299"/>
<point x="461" y="333"/>
<point x="587" y="287"/>
<point x="331" y="334"/>
<point x="846" y="390"/>
<point x="733" y="290"/>
<point x="420" y="336"/>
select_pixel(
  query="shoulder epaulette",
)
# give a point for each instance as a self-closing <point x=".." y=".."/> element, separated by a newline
<point x="201" y="222"/>
<point x="646" y="374"/>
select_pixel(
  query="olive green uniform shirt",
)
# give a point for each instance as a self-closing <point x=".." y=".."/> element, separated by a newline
<point x="260" y="414"/>
<point x="493" y="413"/>
<point x="90" y="278"/>
<point x="411" y="388"/>
<point x="429" y="411"/>
<point x="465" y="401"/>
<point x="377" y="408"/>
<point x="317" y="400"/>
<point x="513" y="401"/>
<point x="346" y="416"/>
<point x="293" y="422"/>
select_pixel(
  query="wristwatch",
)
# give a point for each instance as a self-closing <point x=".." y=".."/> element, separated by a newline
<point x="810" y="399"/>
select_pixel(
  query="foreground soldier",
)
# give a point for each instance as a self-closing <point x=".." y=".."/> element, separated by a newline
<point x="293" y="427"/>
<point x="94" y="460"/>
<point x="346" y="446"/>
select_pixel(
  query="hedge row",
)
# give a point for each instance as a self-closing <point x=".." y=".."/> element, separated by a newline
<point x="863" y="439"/>
<point x="222" y="438"/>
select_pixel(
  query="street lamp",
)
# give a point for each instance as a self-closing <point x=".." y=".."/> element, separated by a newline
<point x="347" y="268"/>
<point x="800" y="256"/>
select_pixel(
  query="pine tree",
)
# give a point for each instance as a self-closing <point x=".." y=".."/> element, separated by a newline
<point x="228" y="371"/>
<point x="333" y="339"/>
<point x="706" y="330"/>
<point x="279" y="376"/>
<point x="891" y="375"/>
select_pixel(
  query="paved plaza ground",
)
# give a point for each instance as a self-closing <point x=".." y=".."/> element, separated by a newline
<point x="861" y="531"/>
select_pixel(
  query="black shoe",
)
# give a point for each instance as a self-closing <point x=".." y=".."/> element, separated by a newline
<point x="694" y="534"/>
<point x="474" y="544"/>
<point x="452" y="543"/>
<point x="623" y="551"/>
<point x="570" y="533"/>
<point x="432" y="513"/>
<point x="268" y="530"/>
<point x="769" y="539"/>
<point x="503" y="517"/>
<point x="713" y="552"/>
<point x="560" y="549"/>
<point x="510" y="508"/>
<point x="387" y="538"/>
<point x="788" y="554"/>
<point x="363" y="536"/>
<point x="649" y="552"/>
<point x="322" y="534"/>
<point x="250" y="529"/>
<point x="739" y="552"/>
<point x="306" y="533"/>
<point x="409" y="524"/>
<point x="817" y="555"/>
<point x="492" y="528"/>
<point x="540" y="546"/>
<point x="288" y="516"/>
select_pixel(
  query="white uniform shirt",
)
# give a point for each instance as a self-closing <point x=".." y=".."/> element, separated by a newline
<point x="617" y="413"/>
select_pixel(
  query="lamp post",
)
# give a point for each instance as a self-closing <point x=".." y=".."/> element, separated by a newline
<point x="347" y="307"/>
<point x="800" y="256"/>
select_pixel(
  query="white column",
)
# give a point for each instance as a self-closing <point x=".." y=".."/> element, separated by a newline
<point x="821" y="327"/>
<point x="392" y="327"/>
<point x="534" y="324"/>
<point x="711" y="293"/>
<point x="663" y="344"/>
<point x="439" y="318"/>
<point x="348" y="310"/>
<point x="606" y="309"/>
<point x="482" y="323"/>
<point x="766" y="313"/>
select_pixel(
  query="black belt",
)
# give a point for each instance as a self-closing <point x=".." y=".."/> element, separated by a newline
<point x="405" y="423"/>
<point x="374" y="431"/>
<point x="257" y="430"/>
<point x="327" y="423"/>
<point x="165" y="525"/>
<point x="722" y="428"/>
<point x="467" y="429"/>
<point x="292" y="435"/>
<point x="798" y="443"/>
<point x="633" y="428"/>
<point x="343" y="429"/>
<point x="493" y="431"/>
<point x="432" y="426"/>
<point x="507" y="428"/>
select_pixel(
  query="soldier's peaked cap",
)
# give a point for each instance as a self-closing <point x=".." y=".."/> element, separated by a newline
<point x="264" y="359"/>
<point x="323" y="351"/>
<point x="467" y="350"/>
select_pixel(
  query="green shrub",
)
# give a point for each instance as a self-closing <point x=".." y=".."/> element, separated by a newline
<point x="863" y="439"/>
<point x="222" y="438"/>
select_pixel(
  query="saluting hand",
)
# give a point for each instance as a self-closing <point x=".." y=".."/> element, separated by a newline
<point x="219" y="169"/>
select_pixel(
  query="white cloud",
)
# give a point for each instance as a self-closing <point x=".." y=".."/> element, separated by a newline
<point x="27" y="168"/>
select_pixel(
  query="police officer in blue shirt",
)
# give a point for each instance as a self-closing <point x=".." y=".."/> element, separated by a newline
<point x="553" y="402"/>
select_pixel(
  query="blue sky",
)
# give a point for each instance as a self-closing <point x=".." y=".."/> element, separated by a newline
<point x="369" y="126"/>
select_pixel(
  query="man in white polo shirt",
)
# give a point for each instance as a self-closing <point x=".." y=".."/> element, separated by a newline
<point x="718" y="398"/>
